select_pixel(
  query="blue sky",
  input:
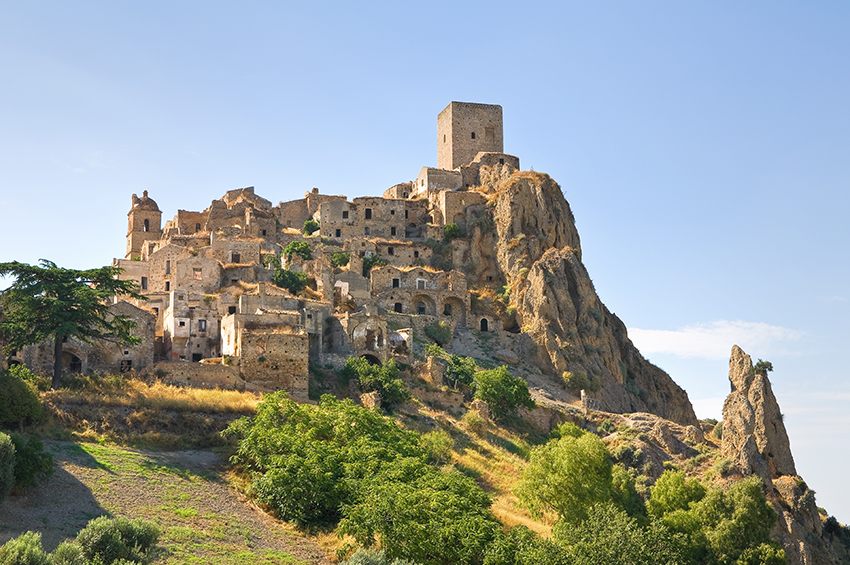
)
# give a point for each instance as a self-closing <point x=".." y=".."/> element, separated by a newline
<point x="703" y="148"/>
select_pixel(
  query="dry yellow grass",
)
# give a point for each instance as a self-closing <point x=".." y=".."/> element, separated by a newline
<point x="139" y="394"/>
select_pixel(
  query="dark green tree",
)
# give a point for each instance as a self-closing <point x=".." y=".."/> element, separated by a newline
<point x="502" y="391"/>
<point x="310" y="226"/>
<point x="49" y="302"/>
<point x="300" y="248"/>
<point x="292" y="281"/>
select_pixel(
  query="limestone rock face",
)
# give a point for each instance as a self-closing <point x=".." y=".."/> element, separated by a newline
<point x="754" y="435"/>
<point x="538" y="253"/>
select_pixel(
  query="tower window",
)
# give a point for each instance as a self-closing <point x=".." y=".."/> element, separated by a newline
<point x="473" y="135"/>
<point x="396" y="283"/>
<point x="197" y="227"/>
<point x="168" y="267"/>
<point x="147" y="226"/>
<point x="167" y="286"/>
<point x="405" y="214"/>
<point x="501" y="161"/>
<point x="416" y="254"/>
<point x="367" y="213"/>
<point x="392" y="231"/>
<point x="338" y="233"/>
<point x="345" y="214"/>
<point x="144" y="283"/>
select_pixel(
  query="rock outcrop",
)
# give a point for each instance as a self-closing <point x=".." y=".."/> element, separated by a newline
<point x="755" y="440"/>
<point x="537" y="250"/>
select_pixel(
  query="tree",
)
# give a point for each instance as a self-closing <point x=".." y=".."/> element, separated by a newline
<point x="310" y="226"/>
<point x="502" y="391"/>
<point x="762" y="368"/>
<point x="292" y="281"/>
<point x="300" y="248"/>
<point x="50" y="302"/>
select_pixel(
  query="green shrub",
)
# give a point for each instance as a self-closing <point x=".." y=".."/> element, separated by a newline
<point x="628" y="455"/>
<point x="24" y="550"/>
<point x="23" y="373"/>
<point x="310" y="226"/>
<point x="271" y="261"/>
<point x="606" y="427"/>
<point x="503" y="392"/>
<point x="440" y="332"/>
<point x="372" y="557"/>
<point x="438" y="445"/>
<point x="579" y="380"/>
<point x="460" y="370"/>
<point x="292" y="281"/>
<point x="717" y="432"/>
<point x="7" y="465"/>
<point x="106" y="540"/>
<point x="300" y="248"/>
<point x="19" y="403"/>
<point x="340" y="259"/>
<point x="371" y="262"/>
<point x="381" y="378"/>
<point x="451" y="231"/>
<point x="68" y="553"/>
<point x="32" y="464"/>
<point x="474" y="422"/>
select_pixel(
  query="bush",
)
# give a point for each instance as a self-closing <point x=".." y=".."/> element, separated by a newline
<point x="19" y="403"/>
<point x="381" y="378"/>
<point x="503" y="392"/>
<point x="372" y="557"/>
<point x="23" y="373"/>
<point x="438" y="446"/>
<point x="606" y="427"/>
<point x="106" y="540"/>
<point x="451" y="231"/>
<point x="440" y="332"/>
<point x="32" y="464"/>
<point x="460" y="370"/>
<point x="340" y="259"/>
<point x="578" y="380"/>
<point x="474" y="422"/>
<point x="292" y="281"/>
<point x="7" y="465"/>
<point x="68" y="553"/>
<point x="24" y="550"/>
<point x="310" y="226"/>
<point x="717" y="432"/>
<point x="371" y="262"/>
<point x="300" y="248"/>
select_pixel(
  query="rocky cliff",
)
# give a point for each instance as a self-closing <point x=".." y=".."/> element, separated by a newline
<point x="755" y="440"/>
<point x="537" y="252"/>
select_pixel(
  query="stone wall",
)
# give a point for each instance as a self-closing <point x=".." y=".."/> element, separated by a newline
<point x="275" y="360"/>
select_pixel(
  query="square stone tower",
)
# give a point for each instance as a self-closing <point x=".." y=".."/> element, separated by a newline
<point x="464" y="129"/>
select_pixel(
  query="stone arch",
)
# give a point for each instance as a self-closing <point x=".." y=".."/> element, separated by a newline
<point x="484" y="325"/>
<point x="423" y="305"/>
<point x="373" y="360"/>
<point x="71" y="362"/>
<point x="454" y="308"/>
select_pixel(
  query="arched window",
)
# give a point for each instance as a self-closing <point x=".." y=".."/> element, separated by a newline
<point x="147" y="226"/>
<point x="485" y="325"/>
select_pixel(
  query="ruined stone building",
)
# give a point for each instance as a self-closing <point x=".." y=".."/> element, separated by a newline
<point x="207" y="274"/>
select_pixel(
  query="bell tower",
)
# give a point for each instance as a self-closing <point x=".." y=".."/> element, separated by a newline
<point x="145" y="220"/>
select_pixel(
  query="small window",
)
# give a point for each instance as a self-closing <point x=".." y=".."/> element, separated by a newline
<point x="501" y="161"/>
<point x="392" y="231"/>
<point x="167" y="286"/>
<point x="202" y="325"/>
<point x="147" y="226"/>
<point x="234" y="258"/>
<point x="489" y="278"/>
<point x="234" y="281"/>
<point x="264" y="232"/>
<point x="197" y="227"/>
<point x="405" y="214"/>
<point x="485" y="325"/>
<point x="168" y="267"/>
<point x="367" y="213"/>
<point x="420" y="308"/>
<point x="405" y="195"/>
<point x="309" y="316"/>
<point x="144" y="283"/>
<point x="473" y="135"/>
<point x="444" y="138"/>
<point x="197" y="274"/>
<point x="365" y="231"/>
<point x="416" y="254"/>
<point x="397" y="307"/>
<point x="197" y="357"/>
<point x="420" y="284"/>
<point x="396" y="283"/>
<point x="392" y="212"/>
<point x="447" y="310"/>
<point x="345" y="214"/>
<point x="181" y="324"/>
<point x="126" y="352"/>
<point x="289" y="223"/>
<point x="338" y="233"/>
<point x="231" y="309"/>
<point x="390" y="250"/>
<point x="156" y="311"/>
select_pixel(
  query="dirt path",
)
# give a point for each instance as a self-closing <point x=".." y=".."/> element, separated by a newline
<point x="203" y="520"/>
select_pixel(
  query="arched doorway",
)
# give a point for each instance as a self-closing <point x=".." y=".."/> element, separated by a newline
<point x="71" y="363"/>
<point x="372" y="360"/>
<point x="455" y="309"/>
<point x="423" y="305"/>
<point x="485" y="325"/>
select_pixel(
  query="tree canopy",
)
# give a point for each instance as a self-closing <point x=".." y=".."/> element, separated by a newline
<point x="51" y="302"/>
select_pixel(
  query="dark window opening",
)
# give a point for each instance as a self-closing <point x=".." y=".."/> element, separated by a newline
<point x="405" y="195"/>
<point x="420" y="308"/>
<point x="144" y="283"/>
<point x="231" y="309"/>
<point x="405" y="214"/>
<point x="168" y="267"/>
<point x="76" y="364"/>
<point x="367" y="213"/>
<point x="202" y="325"/>
<point x="396" y="283"/>
<point x="416" y="254"/>
<point x="444" y="138"/>
<point x="398" y="307"/>
<point x="167" y="286"/>
<point x="234" y="281"/>
<point x="345" y="214"/>
<point x="501" y="161"/>
<point x="447" y="310"/>
<point x="365" y="231"/>
<point x="147" y="226"/>
<point x="390" y="250"/>
<point x="197" y="227"/>
<point x="289" y="223"/>
<point x="392" y="231"/>
<point x="126" y="365"/>
<point x="181" y="324"/>
<point x="489" y="277"/>
<point x="338" y="233"/>
<point x="264" y="232"/>
<point x="392" y="212"/>
<point x="473" y="135"/>
<point x="197" y="357"/>
<point x="156" y="311"/>
<point x="485" y="325"/>
<point x="234" y="258"/>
